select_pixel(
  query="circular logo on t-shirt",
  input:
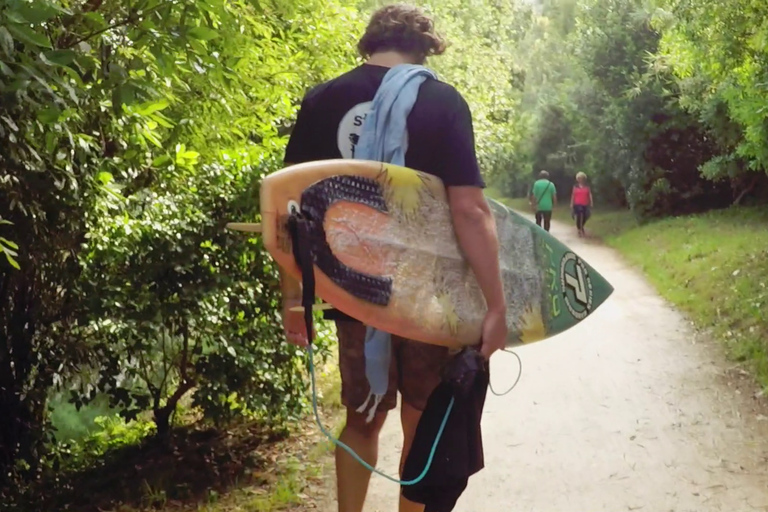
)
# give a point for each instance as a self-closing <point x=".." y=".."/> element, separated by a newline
<point x="350" y="128"/>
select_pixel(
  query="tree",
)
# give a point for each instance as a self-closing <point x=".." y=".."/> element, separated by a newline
<point x="716" y="52"/>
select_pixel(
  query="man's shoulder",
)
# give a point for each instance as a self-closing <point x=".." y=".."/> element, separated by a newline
<point x="323" y="87"/>
<point x="438" y="86"/>
<point x="319" y="90"/>
<point x="436" y="91"/>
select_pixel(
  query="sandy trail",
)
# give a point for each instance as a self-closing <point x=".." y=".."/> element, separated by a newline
<point x="625" y="411"/>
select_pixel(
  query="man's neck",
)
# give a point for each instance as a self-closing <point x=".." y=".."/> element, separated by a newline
<point x="390" y="59"/>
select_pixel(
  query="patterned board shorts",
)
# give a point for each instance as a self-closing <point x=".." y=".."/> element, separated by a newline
<point x="415" y="369"/>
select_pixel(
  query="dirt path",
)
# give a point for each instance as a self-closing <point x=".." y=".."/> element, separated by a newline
<point x="625" y="411"/>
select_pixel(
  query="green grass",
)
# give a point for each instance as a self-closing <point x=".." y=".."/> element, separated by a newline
<point x="715" y="268"/>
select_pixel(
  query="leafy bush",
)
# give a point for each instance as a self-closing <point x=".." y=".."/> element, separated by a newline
<point x="130" y="133"/>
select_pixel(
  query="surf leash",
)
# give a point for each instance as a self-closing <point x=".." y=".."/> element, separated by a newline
<point x="519" y="374"/>
<point x="300" y="228"/>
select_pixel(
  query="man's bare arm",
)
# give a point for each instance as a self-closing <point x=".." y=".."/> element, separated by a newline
<point x="289" y="286"/>
<point x="476" y="233"/>
<point x="293" y="322"/>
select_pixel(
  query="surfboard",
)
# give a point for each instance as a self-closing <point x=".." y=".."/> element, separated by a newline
<point x="385" y="253"/>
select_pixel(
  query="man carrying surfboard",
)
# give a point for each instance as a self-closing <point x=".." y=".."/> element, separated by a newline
<point x="543" y="199"/>
<point x="440" y="141"/>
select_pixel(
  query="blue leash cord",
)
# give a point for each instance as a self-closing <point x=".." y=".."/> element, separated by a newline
<point x="434" y="444"/>
<point x="352" y="452"/>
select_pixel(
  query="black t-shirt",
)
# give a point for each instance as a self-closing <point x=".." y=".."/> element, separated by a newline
<point x="441" y="139"/>
<point x="440" y="136"/>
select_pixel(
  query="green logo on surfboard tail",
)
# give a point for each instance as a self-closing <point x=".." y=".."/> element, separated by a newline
<point x="580" y="291"/>
<point x="571" y="289"/>
<point x="576" y="284"/>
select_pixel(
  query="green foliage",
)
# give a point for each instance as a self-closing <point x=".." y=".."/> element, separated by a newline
<point x="111" y="433"/>
<point x="130" y="133"/>
<point x="721" y="74"/>
<point x="637" y="99"/>
<point x="8" y="248"/>
<point x="72" y="424"/>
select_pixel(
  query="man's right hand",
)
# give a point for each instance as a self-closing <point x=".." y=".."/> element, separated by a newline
<point x="494" y="332"/>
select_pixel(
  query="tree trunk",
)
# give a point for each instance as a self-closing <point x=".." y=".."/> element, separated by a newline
<point x="162" y="415"/>
<point x="163" y="424"/>
<point x="749" y="188"/>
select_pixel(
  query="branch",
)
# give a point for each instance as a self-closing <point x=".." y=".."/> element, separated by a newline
<point x="747" y="190"/>
<point x="163" y="336"/>
<point x="147" y="380"/>
<point x="90" y="6"/>
<point x="132" y="17"/>
<point x="184" y="351"/>
<point x="186" y="383"/>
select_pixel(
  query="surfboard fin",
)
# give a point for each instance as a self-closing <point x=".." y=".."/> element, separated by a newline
<point x="315" y="307"/>
<point x="250" y="227"/>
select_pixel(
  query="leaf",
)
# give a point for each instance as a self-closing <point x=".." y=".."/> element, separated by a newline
<point x="29" y="36"/>
<point x="10" y="123"/>
<point x="162" y="121"/>
<point x="104" y="177"/>
<point x="10" y="251"/>
<point x="151" y="108"/>
<point x="15" y="17"/>
<point x="8" y="243"/>
<point x="202" y="33"/>
<point x="198" y="47"/>
<point x="39" y="11"/>
<point x="51" y="141"/>
<point x="74" y="75"/>
<point x="162" y="161"/>
<point x="97" y="19"/>
<point x="6" y="41"/>
<point x="59" y="57"/>
<point x="152" y="138"/>
<point x="11" y="260"/>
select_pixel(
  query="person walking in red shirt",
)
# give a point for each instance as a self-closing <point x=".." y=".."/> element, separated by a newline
<point x="581" y="202"/>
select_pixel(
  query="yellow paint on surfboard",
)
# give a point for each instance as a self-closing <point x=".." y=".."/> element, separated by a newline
<point x="403" y="189"/>
<point x="533" y="328"/>
<point x="449" y="312"/>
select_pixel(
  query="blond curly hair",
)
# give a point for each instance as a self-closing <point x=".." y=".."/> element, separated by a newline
<point x="401" y="28"/>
